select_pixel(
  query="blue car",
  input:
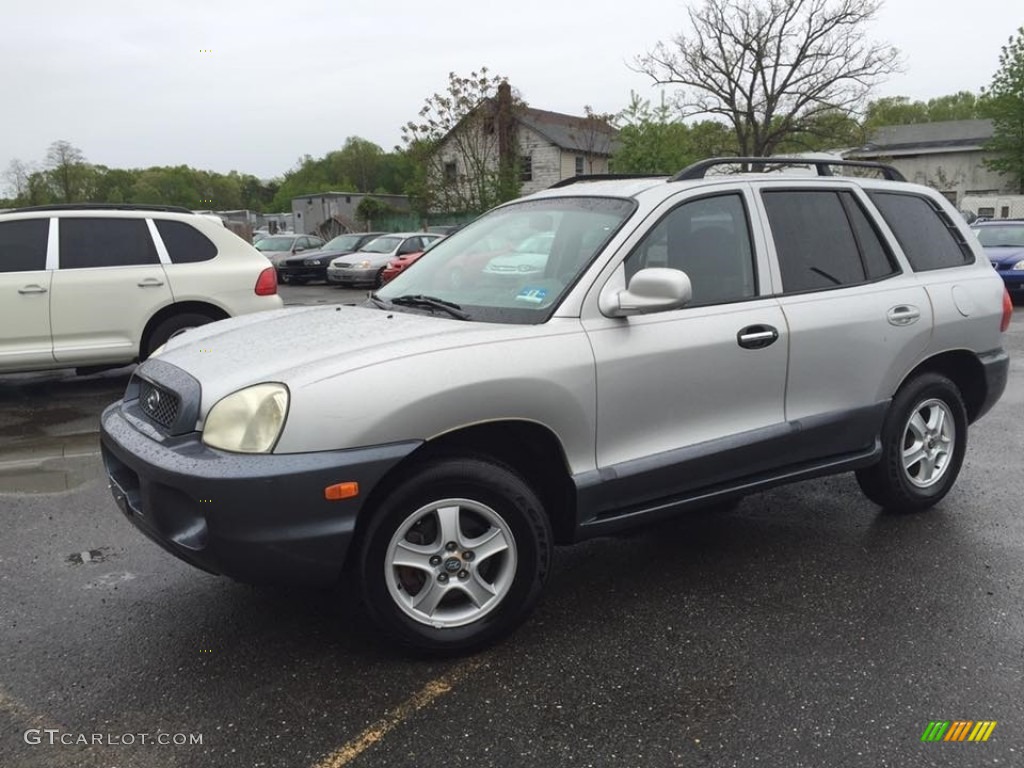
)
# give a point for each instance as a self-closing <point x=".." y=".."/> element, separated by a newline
<point x="1003" y="241"/>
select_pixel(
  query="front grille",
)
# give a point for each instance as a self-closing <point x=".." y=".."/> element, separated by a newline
<point x="159" y="404"/>
<point x="341" y="266"/>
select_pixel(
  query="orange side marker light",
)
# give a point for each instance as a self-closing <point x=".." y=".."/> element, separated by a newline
<point x="340" y="491"/>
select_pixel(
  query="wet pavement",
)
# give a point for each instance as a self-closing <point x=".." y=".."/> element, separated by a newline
<point x="803" y="629"/>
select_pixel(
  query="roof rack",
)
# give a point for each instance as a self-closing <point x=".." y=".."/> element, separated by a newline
<point x="101" y="207"/>
<point x="822" y="165"/>
<point x="605" y="177"/>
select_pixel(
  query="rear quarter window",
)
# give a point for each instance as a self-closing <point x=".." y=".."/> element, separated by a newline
<point x="929" y="238"/>
<point x="185" y="244"/>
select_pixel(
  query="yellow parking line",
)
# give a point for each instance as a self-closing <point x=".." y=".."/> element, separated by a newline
<point x="424" y="697"/>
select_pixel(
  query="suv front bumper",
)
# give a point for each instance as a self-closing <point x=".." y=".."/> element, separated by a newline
<point x="258" y="518"/>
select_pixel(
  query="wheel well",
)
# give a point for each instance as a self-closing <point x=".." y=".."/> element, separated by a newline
<point x="212" y="312"/>
<point x="530" y="449"/>
<point x="962" y="368"/>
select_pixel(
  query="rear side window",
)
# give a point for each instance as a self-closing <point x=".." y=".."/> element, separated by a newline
<point x="185" y="244"/>
<point x="926" y="234"/>
<point x="23" y="245"/>
<point x="814" y="240"/>
<point x="107" y="242"/>
<point x="878" y="260"/>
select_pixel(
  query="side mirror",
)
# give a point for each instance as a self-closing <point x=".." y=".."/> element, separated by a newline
<point x="655" y="289"/>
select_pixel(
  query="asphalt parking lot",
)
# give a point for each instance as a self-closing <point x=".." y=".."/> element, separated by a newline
<point x="803" y="629"/>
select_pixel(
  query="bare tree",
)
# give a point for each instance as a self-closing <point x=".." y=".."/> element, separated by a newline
<point x="16" y="175"/>
<point x="594" y="135"/>
<point x="65" y="162"/>
<point x="771" y="68"/>
<point x="464" y="145"/>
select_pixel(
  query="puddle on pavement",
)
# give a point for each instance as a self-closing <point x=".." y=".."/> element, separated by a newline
<point x="49" y="475"/>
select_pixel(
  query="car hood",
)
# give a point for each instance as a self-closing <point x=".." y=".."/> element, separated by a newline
<point x="301" y="345"/>
<point x="322" y="255"/>
<point x="375" y="259"/>
<point x="1005" y="255"/>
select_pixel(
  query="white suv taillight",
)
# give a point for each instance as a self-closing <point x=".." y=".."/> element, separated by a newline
<point x="266" y="284"/>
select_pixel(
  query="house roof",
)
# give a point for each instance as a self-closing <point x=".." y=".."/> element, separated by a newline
<point x="926" y="138"/>
<point x="571" y="132"/>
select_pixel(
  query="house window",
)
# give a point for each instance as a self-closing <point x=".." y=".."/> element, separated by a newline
<point x="1004" y="212"/>
<point x="986" y="213"/>
<point x="579" y="165"/>
<point x="450" y="173"/>
<point x="526" y="173"/>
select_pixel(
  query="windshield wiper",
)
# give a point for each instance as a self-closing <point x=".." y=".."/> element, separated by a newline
<point x="431" y="302"/>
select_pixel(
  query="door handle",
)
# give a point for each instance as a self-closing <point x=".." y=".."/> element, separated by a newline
<point x="32" y="289"/>
<point x="150" y="282"/>
<point x="757" y="336"/>
<point x="903" y="315"/>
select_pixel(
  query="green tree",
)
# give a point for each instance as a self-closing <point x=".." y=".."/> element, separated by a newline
<point x="773" y="68"/>
<point x="652" y="141"/>
<point x="1004" y="104"/>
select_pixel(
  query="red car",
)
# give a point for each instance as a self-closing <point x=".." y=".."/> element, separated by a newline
<point x="398" y="265"/>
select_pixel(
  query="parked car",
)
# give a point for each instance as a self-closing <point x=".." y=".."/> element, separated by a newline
<point x="1003" y="241"/>
<point x="87" y="286"/>
<point x="692" y="340"/>
<point x="366" y="266"/>
<point x="529" y="258"/>
<point x="400" y="263"/>
<point x="312" y="265"/>
<point x="277" y="248"/>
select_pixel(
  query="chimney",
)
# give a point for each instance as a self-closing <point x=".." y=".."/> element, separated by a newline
<point x="504" y="123"/>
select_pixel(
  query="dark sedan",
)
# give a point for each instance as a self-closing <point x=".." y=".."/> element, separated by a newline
<point x="312" y="265"/>
<point x="1003" y="241"/>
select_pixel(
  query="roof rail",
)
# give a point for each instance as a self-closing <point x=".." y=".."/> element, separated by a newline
<point x="822" y="165"/>
<point x="605" y="177"/>
<point x="101" y="207"/>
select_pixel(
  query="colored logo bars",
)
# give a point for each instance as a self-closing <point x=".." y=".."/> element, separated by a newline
<point x="958" y="730"/>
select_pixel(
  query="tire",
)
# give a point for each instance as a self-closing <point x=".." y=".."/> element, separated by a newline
<point x="378" y="281"/>
<point x="927" y="421"/>
<point x="488" y="499"/>
<point x="172" y="326"/>
<point x="283" y="279"/>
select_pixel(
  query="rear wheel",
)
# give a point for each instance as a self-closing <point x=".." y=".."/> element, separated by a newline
<point x="924" y="439"/>
<point x="455" y="558"/>
<point x="171" y="327"/>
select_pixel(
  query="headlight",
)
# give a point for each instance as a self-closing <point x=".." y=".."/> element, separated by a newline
<point x="364" y="264"/>
<point x="1018" y="267"/>
<point x="313" y="262"/>
<point x="248" y="421"/>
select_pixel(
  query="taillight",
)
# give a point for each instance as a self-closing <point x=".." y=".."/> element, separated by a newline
<point x="1007" y="311"/>
<point x="266" y="284"/>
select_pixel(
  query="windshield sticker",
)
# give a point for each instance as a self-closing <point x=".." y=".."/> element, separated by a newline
<point x="532" y="295"/>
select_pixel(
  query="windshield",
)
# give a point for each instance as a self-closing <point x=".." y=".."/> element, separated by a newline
<point x="562" y="233"/>
<point x="1001" y="235"/>
<point x="343" y="243"/>
<point x="275" y="244"/>
<point x="381" y="245"/>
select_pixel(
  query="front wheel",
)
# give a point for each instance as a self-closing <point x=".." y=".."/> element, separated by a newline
<point x="924" y="439"/>
<point x="455" y="558"/>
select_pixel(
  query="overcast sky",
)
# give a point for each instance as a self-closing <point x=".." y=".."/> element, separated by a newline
<point x="127" y="83"/>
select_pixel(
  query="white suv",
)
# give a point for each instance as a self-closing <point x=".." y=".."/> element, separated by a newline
<point x="684" y="342"/>
<point x="84" y="286"/>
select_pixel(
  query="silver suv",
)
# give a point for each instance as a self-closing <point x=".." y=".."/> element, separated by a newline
<point x="683" y="342"/>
